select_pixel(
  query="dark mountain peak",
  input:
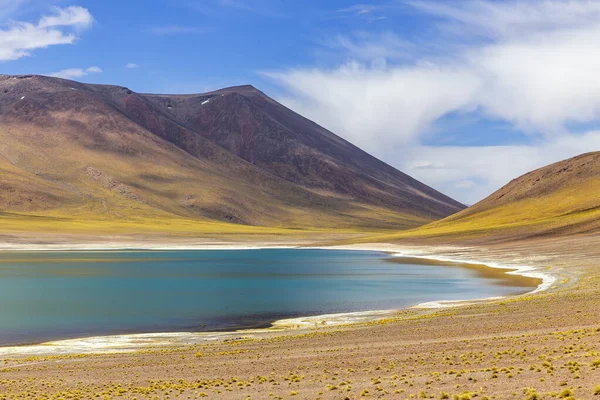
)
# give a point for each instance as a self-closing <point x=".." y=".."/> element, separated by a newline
<point x="36" y="82"/>
<point x="19" y="77"/>
<point x="241" y="89"/>
<point x="251" y="125"/>
<point x="245" y="90"/>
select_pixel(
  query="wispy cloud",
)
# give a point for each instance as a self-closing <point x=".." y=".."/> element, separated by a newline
<point x="511" y="18"/>
<point x="360" y="9"/>
<point x="77" y="17"/>
<point x="72" y="73"/>
<point x="131" y="66"/>
<point x="534" y="66"/>
<point x="372" y="47"/>
<point x="368" y="12"/>
<point x="19" y="39"/>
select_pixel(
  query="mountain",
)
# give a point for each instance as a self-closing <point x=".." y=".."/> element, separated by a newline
<point x="559" y="199"/>
<point x="84" y="152"/>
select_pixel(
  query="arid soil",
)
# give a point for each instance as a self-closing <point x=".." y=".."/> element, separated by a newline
<point x="540" y="346"/>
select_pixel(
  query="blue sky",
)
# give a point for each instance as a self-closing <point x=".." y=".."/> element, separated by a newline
<point x="200" y="45"/>
<point x="464" y="94"/>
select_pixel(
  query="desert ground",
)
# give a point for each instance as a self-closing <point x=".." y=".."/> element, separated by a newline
<point x="537" y="346"/>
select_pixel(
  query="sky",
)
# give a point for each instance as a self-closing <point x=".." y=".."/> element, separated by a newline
<point x="464" y="95"/>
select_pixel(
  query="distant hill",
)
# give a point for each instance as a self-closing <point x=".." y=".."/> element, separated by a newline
<point x="559" y="199"/>
<point x="75" y="151"/>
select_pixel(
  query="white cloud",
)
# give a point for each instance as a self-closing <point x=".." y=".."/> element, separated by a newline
<point x="542" y="82"/>
<point x="131" y="65"/>
<point x="74" y="16"/>
<point x="378" y="108"/>
<point x="465" y="184"/>
<point x="19" y="39"/>
<point x="532" y="63"/>
<point x="510" y="18"/>
<point x="72" y="73"/>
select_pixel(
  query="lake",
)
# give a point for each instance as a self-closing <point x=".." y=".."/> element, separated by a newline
<point x="58" y="295"/>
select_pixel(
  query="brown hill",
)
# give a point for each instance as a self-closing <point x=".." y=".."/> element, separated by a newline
<point x="72" y="150"/>
<point x="559" y="199"/>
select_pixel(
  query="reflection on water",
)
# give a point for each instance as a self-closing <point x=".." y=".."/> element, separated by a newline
<point x="495" y="276"/>
<point x="54" y="295"/>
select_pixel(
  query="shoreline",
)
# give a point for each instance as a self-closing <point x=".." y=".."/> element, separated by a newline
<point x="124" y="343"/>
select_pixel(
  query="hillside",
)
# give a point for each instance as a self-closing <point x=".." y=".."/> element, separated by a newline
<point x="72" y="153"/>
<point x="559" y="199"/>
<point x="261" y="131"/>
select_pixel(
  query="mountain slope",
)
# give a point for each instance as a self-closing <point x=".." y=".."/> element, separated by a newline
<point x="263" y="132"/>
<point x="559" y="199"/>
<point x="76" y="151"/>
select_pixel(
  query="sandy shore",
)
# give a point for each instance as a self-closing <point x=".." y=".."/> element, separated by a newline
<point x="545" y="342"/>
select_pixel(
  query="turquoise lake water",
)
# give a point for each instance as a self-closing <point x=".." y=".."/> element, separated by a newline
<point x="58" y="295"/>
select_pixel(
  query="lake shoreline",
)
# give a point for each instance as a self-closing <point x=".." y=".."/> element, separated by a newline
<point x="509" y="335"/>
<point x="139" y="341"/>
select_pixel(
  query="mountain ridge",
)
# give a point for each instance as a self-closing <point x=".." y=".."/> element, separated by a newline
<point x="105" y="150"/>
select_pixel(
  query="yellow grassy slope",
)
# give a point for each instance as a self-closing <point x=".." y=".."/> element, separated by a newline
<point x="54" y="181"/>
<point x="558" y="199"/>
